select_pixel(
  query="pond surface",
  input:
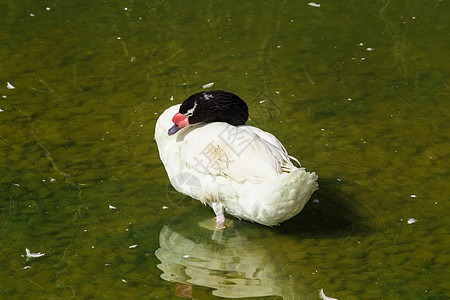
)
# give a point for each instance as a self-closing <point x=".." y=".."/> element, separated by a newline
<point x="357" y="91"/>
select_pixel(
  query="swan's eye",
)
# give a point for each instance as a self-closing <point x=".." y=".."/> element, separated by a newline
<point x="190" y="111"/>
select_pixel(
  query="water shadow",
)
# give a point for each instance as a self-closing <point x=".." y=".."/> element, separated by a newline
<point x="329" y="213"/>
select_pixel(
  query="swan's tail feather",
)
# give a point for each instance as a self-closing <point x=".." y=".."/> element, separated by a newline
<point x="286" y="198"/>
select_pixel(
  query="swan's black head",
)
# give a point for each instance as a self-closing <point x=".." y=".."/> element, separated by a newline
<point x="211" y="106"/>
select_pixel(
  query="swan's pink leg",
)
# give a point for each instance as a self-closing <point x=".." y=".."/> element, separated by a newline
<point x="220" y="221"/>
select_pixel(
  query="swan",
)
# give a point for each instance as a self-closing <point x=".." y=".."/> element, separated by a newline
<point x="211" y="155"/>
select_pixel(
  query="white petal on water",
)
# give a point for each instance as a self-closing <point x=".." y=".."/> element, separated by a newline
<point x="208" y="85"/>
<point x="171" y="98"/>
<point x="26" y="267"/>
<point x="411" y="221"/>
<point x="322" y="296"/>
<point x="413" y="196"/>
<point x="9" y="86"/>
<point x="37" y="254"/>
<point x="112" y="207"/>
<point x="313" y="4"/>
<point x="123" y="280"/>
<point x="186" y="256"/>
<point x="133" y="246"/>
<point x="165" y="207"/>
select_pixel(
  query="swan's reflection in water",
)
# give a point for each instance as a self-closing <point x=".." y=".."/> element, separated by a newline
<point x="292" y="261"/>
<point x="233" y="263"/>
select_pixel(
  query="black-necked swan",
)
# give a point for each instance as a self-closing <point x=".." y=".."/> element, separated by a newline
<point x="212" y="156"/>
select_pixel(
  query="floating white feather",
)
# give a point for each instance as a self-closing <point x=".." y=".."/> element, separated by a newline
<point x="30" y="255"/>
<point x="322" y="296"/>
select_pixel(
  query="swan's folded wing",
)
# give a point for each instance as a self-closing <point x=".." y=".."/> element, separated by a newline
<point x="220" y="149"/>
<point x="268" y="137"/>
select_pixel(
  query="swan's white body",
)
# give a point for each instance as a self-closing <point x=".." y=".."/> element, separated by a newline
<point x="241" y="170"/>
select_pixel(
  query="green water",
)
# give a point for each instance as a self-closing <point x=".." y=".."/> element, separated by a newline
<point x="358" y="91"/>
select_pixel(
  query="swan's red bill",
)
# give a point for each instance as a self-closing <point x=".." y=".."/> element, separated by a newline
<point x="180" y="122"/>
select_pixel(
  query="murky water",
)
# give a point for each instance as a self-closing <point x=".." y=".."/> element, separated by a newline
<point x="359" y="92"/>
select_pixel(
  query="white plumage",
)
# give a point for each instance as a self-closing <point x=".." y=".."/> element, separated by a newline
<point x="240" y="170"/>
